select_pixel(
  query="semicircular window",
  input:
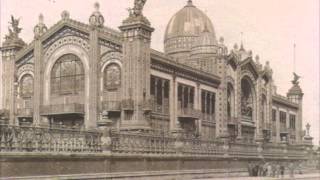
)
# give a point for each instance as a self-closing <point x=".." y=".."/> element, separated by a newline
<point x="26" y="86"/>
<point x="67" y="75"/>
<point x="112" y="77"/>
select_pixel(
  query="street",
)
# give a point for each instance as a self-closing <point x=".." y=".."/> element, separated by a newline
<point x="313" y="176"/>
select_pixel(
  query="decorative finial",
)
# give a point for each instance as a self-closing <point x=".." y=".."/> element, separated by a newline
<point x="189" y="2"/>
<point x="257" y="58"/>
<point x="308" y="129"/>
<point x="241" y="45"/>
<point x="296" y="78"/>
<point x="40" y="28"/>
<point x="250" y="53"/>
<point x="235" y="46"/>
<point x="96" y="19"/>
<point x="96" y="6"/>
<point x="41" y="18"/>
<point x="221" y="40"/>
<point x="65" y="15"/>
<point x="294" y="57"/>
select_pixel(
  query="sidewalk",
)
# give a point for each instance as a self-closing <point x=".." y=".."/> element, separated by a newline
<point x="312" y="176"/>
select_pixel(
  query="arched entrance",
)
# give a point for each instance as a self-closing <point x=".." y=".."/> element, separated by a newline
<point x="248" y="109"/>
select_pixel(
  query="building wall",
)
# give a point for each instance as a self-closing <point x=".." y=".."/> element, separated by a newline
<point x="95" y="51"/>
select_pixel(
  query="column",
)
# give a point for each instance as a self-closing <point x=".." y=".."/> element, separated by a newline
<point x="173" y="104"/>
<point x="94" y="54"/>
<point x="278" y="140"/>
<point x="38" y="81"/>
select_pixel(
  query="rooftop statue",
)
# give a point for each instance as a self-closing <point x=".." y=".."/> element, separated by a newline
<point x="295" y="79"/>
<point x="138" y="7"/>
<point x="14" y="30"/>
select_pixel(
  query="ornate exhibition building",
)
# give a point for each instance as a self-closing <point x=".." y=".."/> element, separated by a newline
<point x="116" y="104"/>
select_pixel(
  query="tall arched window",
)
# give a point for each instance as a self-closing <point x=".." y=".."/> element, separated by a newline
<point x="263" y="109"/>
<point x="246" y="98"/>
<point x="230" y="100"/>
<point x="67" y="75"/>
<point x="112" y="77"/>
<point x="26" y="86"/>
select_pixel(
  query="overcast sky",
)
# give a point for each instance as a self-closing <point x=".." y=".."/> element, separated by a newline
<point x="270" y="28"/>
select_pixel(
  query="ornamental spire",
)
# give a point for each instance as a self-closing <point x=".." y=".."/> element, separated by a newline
<point x="40" y="28"/>
<point x="96" y="19"/>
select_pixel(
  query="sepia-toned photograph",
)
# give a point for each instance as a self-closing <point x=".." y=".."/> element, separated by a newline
<point x="159" y="89"/>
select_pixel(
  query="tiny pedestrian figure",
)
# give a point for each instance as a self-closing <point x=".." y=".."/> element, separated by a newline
<point x="274" y="170"/>
<point x="250" y="169"/>
<point x="277" y="170"/>
<point x="282" y="171"/>
<point x="269" y="170"/>
<point x="291" y="170"/>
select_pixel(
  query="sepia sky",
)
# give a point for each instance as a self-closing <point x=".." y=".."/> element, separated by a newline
<point x="270" y="28"/>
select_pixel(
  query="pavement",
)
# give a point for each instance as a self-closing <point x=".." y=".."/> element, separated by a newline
<point x="311" y="176"/>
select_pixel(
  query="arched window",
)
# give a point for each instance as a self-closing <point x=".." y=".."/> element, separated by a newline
<point x="67" y="75"/>
<point x="263" y="108"/>
<point x="26" y="86"/>
<point x="246" y="98"/>
<point x="112" y="77"/>
<point x="230" y="100"/>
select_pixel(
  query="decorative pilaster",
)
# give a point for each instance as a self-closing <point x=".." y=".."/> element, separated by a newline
<point x="278" y="139"/>
<point x="258" y="117"/>
<point x="96" y="21"/>
<point x="10" y="47"/>
<point x="135" y="92"/>
<point x="39" y="30"/>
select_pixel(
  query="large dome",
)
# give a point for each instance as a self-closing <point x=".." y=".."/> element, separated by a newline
<point x="184" y="27"/>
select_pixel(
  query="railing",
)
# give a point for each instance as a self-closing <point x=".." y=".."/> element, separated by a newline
<point x="267" y="126"/>
<point x="160" y="108"/>
<point x="232" y="120"/>
<point x="127" y="105"/>
<point x="62" y="109"/>
<point x="193" y="146"/>
<point x="243" y="149"/>
<point x="246" y="118"/>
<point x="60" y="140"/>
<point x="142" y="143"/>
<point x="189" y="113"/>
<point x="208" y="117"/>
<point x="25" y="112"/>
<point x="111" y="106"/>
<point x="39" y="139"/>
<point x="4" y="114"/>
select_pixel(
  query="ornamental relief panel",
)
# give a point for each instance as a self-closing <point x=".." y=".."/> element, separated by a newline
<point x="249" y="68"/>
<point x="27" y="59"/>
<point x="229" y="79"/>
<point x="69" y="40"/>
<point x="112" y="77"/>
<point x="64" y="32"/>
<point x="111" y="56"/>
<point x="249" y="74"/>
<point x="27" y="68"/>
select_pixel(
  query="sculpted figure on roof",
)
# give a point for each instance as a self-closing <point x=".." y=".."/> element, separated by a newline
<point x="138" y="7"/>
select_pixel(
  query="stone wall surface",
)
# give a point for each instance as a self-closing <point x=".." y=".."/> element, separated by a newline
<point x="40" y="164"/>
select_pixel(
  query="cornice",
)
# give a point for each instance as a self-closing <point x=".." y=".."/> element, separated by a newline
<point x="284" y="101"/>
<point x="165" y="64"/>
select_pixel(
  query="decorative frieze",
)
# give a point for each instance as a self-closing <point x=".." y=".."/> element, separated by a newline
<point x="73" y="40"/>
<point x="63" y="33"/>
